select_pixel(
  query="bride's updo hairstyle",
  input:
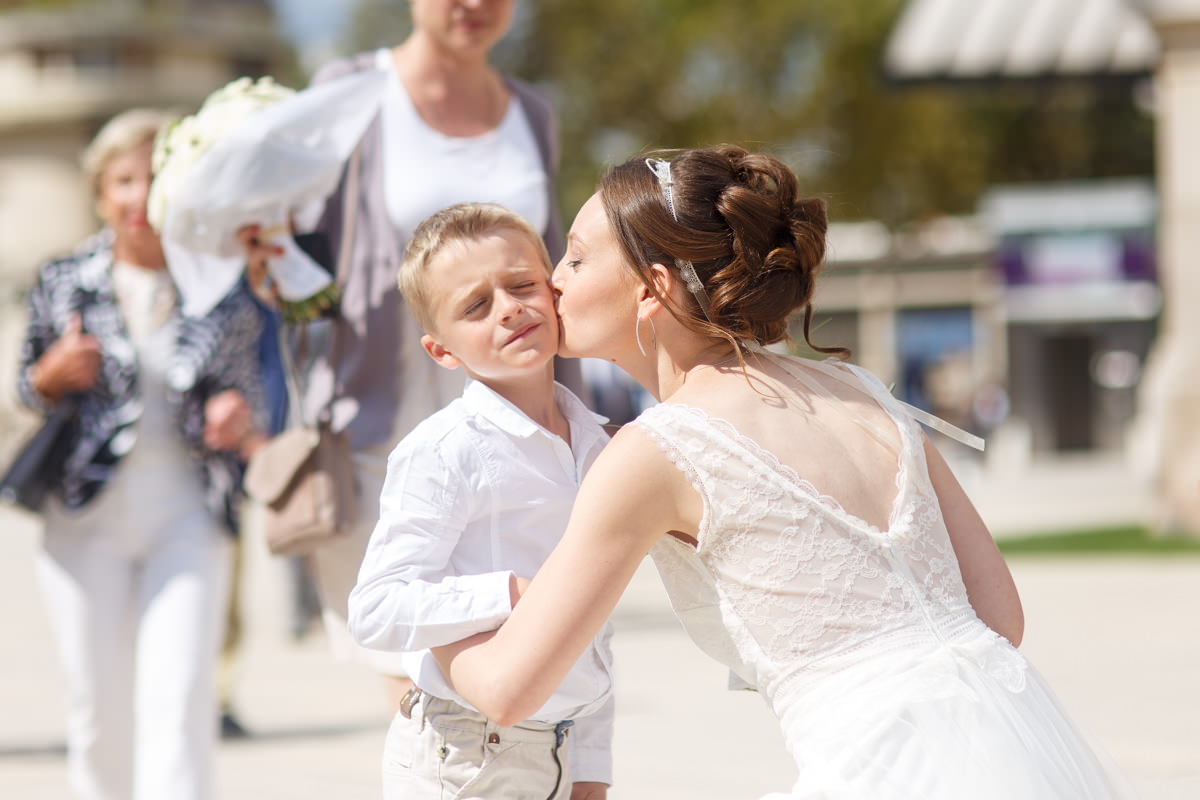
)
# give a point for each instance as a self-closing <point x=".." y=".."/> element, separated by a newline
<point x="756" y="245"/>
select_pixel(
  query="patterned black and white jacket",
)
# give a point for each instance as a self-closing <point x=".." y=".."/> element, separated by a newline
<point x="212" y="354"/>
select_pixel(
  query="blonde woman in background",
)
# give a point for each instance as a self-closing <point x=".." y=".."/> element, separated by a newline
<point x="134" y="565"/>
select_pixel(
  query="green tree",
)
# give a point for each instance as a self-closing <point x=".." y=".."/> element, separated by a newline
<point x="801" y="79"/>
<point x="376" y="23"/>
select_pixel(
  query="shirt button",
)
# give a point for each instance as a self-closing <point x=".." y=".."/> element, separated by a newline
<point x="493" y="738"/>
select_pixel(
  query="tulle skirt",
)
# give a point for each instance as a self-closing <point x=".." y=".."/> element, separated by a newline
<point x="956" y="716"/>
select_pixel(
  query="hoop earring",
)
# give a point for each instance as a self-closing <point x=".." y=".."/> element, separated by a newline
<point x="637" y="334"/>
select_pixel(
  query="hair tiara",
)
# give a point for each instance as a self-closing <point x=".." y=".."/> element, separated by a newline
<point x="662" y="172"/>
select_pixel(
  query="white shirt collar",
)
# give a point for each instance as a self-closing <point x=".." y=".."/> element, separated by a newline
<point x="479" y="397"/>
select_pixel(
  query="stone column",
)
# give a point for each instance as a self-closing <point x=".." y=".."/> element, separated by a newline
<point x="1168" y="433"/>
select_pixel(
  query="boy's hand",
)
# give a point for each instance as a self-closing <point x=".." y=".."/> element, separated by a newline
<point x="589" y="790"/>
<point x="516" y="588"/>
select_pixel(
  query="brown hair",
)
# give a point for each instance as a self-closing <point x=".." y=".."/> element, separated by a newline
<point x="461" y="222"/>
<point x="756" y="244"/>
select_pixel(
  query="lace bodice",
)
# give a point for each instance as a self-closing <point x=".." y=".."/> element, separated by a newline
<point x="783" y="577"/>
<point x="885" y="683"/>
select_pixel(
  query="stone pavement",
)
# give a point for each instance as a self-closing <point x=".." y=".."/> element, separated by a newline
<point x="1116" y="637"/>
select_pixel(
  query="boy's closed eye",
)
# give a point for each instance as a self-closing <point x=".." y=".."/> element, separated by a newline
<point x="475" y="308"/>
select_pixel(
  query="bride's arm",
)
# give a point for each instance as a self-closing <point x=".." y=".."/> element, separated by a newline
<point x="631" y="495"/>
<point x="990" y="586"/>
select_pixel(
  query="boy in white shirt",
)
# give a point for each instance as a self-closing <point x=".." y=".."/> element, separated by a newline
<point x="475" y="499"/>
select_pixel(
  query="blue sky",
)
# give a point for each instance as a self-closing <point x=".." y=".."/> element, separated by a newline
<point x="314" y="25"/>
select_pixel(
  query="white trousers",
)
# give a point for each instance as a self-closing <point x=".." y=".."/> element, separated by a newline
<point x="136" y="591"/>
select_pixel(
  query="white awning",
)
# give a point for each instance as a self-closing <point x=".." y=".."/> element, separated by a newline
<point x="963" y="40"/>
<point x="1113" y="204"/>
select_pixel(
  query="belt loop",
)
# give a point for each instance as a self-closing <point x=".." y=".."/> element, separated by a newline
<point x="410" y="699"/>
<point x="560" y="731"/>
<point x="560" y="736"/>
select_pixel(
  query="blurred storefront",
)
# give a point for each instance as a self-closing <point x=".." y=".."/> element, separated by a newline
<point x="923" y="309"/>
<point x="67" y="68"/>
<point x="1126" y="40"/>
<point x="1082" y="302"/>
<point x="1038" y="313"/>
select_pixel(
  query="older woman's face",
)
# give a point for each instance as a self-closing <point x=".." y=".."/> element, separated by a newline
<point x="123" y="189"/>
<point x="463" y="25"/>
<point x="597" y="301"/>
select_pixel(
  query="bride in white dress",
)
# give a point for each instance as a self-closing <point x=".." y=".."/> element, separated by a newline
<point x="809" y="535"/>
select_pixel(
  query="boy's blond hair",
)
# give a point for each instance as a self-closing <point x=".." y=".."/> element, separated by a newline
<point x="461" y="222"/>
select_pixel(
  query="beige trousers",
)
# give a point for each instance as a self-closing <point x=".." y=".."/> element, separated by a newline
<point x="448" y="751"/>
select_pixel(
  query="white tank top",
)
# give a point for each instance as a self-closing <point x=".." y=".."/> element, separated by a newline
<point x="425" y="170"/>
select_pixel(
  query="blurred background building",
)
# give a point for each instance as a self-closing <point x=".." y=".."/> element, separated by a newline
<point x="66" y="69"/>
<point x="1100" y="277"/>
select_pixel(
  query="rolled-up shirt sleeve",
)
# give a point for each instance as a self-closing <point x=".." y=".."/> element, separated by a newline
<point x="409" y="595"/>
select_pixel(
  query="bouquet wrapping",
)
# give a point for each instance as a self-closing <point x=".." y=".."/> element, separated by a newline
<point x="260" y="153"/>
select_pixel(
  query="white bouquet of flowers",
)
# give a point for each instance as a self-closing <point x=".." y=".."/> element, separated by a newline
<point x="257" y="153"/>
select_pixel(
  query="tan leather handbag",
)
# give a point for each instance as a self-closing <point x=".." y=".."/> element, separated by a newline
<point x="304" y="478"/>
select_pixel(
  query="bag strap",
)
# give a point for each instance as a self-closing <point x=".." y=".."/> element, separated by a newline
<point x="290" y="374"/>
<point x="349" y="216"/>
<point x="350" y="201"/>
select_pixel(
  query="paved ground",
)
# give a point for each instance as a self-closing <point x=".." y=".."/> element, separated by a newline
<point x="1115" y="637"/>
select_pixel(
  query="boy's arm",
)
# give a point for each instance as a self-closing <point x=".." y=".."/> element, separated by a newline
<point x="407" y="597"/>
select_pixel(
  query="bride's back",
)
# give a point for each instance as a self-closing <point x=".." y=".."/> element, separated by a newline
<point x="820" y="530"/>
<point x="816" y="419"/>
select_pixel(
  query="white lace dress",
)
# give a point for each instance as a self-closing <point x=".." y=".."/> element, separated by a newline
<point x="884" y="681"/>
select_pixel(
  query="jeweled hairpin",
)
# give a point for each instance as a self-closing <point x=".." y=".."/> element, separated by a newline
<point x="662" y="172"/>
